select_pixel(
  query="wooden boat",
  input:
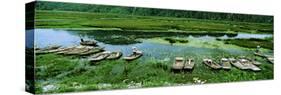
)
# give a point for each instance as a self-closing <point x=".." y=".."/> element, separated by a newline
<point x="259" y="54"/>
<point x="247" y="64"/>
<point x="62" y="51"/>
<point x="133" y="57"/>
<point x="270" y="59"/>
<point x="178" y="64"/>
<point x="98" y="57"/>
<point x="76" y="51"/>
<point x="46" y="50"/>
<point x="53" y="47"/>
<point x="114" y="55"/>
<point x="237" y="64"/>
<point x="58" y="50"/>
<point x="211" y="64"/>
<point x="189" y="64"/>
<point x="89" y="43"/>
<point x="50" y="47"/>
<point x="254" y="61"/>
<point x="225" y="63"/>
<point x="79" y="50"/>
<point x="92" y="51"/>
<point x="41" y="52"/>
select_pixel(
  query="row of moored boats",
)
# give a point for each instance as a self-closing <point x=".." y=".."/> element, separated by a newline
<point x="90" y="49"/>
<point x="96" y="53"/>
<point x="107" y="55"/>
<point x="225" y="63"/>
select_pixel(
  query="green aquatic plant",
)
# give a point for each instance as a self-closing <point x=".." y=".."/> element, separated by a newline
<point x="176" y="40"/>
<point x="76" y="74"/>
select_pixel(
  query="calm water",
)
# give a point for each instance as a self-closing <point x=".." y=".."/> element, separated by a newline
<point x="46" y="37"/>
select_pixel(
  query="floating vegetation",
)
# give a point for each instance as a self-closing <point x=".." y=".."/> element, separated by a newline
<point x="119" y="40"/>
<point x="176" y="40"/>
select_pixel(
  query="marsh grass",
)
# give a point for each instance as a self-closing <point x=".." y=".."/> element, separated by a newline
<point x="75" y="74"/>
<point x="251" y="43"/>
<point x="84" y="20"/>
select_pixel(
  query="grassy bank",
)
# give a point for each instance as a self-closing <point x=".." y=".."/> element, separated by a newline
<point x="103" y="21"/>
<point x="56" y="73"/>
<point x="251" y="43"/>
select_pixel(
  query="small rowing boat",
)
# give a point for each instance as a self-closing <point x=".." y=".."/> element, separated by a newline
<point x="237" y="63"/>
<point x="270" y="59"/>
<point x="254" y="61"/>
<point x="211" y="64"/>
<point x="89" y="43"/>
<point x="133" y="56"/>
<point x="247" y="64"/>
<point x="98" y="57"/>
<point x="189" y="64"/>
<point x="46" y="50"/>
<point x="225" y="64"/>
<point x="178" y="64"/>
<point x="114" y="55"/>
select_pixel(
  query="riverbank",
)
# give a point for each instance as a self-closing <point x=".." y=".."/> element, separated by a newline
<point x="102" y="21"/>
<point x="251" y="43"/>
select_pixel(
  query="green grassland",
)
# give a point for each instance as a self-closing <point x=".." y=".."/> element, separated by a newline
<point x="107" y="21"/>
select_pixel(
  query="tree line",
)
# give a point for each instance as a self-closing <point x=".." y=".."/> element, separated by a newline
<point x="43" y="5"/>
